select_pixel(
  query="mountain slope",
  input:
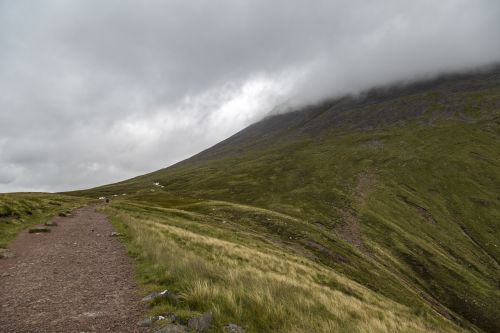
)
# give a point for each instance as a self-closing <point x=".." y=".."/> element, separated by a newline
<point x="397" y="191"/>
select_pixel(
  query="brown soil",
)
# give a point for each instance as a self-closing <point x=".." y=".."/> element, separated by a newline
<point x="74" y="279"/>
<point x="350" y="230"/>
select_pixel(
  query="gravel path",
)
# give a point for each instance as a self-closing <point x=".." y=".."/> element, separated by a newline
<point x="74" y="279"/>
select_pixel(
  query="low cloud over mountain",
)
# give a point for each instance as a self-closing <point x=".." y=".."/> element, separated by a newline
<point x="103" y="91"/>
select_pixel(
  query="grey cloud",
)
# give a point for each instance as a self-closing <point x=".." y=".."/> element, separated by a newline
<point x="98" y="91"/>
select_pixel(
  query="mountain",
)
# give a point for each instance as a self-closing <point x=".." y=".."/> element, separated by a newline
<point x="373" y="212"/>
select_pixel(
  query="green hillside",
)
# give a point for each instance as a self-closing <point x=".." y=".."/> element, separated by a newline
<point x="372" y="213"/>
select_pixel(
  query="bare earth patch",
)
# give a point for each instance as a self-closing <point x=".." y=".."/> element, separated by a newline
<point x="73" y="279"/>
<point x="350" y="229"/>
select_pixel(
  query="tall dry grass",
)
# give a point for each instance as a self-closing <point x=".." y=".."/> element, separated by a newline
<point x="264" y="289"/>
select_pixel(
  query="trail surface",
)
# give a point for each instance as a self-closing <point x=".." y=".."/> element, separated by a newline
<point x="74" y="279"/>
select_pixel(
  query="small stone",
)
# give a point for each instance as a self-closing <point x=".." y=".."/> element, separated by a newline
<point x="201" y="324"/>
<point x="114" y="234"/>
<point x="173" y="328"/>
<point x="233" y="328"/>
<point x="37" y="230"/>
<point x="167" y="294"/>
<point x="155" y="294"/>
<point x="6" y="253"/>
<point x="62" y="214"/>
<point x="91" y="314"/>
<point x="51" y="224"/>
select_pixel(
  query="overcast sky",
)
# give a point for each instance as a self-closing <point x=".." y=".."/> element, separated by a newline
<point x="92" y="92"/>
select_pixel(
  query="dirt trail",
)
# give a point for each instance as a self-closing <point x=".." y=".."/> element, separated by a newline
<point x="74" y="279"/>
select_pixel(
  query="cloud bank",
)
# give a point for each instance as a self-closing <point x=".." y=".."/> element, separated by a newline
<point x="93" y="92"/>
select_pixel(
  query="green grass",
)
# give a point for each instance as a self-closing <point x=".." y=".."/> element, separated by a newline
<point x="429" y="223"/>
<point x="402" y="216"/>
<point x="20" y="211"/>
<point x="241" y="278"/>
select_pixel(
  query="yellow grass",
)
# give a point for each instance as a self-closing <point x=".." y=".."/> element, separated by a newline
<point x="261" y="287"/>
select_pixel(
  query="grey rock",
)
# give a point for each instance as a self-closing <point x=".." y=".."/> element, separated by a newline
<point x="173" y="328"/>
<point x="6" y="253"/>
<point x="172" y="317"/>
<point x="233" y="328"/>
<point x="168" y="294"/>
<point x="162" y="294"/>
<point x="201" y="324"/>
<point x="150" y="296"/>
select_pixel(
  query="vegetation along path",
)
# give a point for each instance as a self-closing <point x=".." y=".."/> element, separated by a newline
<point x="76" y="278"/>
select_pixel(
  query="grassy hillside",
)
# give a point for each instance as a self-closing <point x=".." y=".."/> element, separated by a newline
<point x="244" y="277"/>
<point x="375" y="213"/>
<point x="19" y="211"/>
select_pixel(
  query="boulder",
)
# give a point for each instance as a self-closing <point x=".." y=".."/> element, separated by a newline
<point x="233" y="328"/>
<point x="201" y="324"/>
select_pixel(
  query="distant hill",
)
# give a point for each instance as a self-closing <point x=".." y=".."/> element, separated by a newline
<point x="397" y="189"/>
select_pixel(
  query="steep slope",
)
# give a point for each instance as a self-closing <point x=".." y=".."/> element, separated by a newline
<point x="449" y="96"/>
<point x="396" y="190"/>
